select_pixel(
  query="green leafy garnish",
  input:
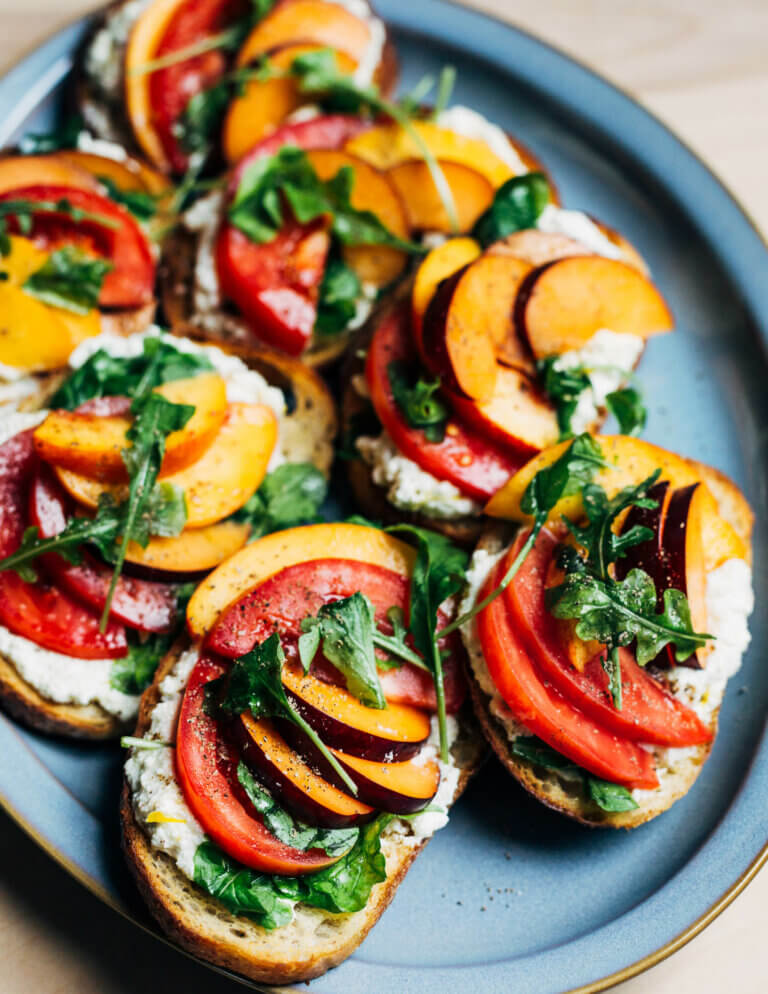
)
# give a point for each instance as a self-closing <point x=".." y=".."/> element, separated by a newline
<point x="516" y="205"/>
<point x="105" y="375"/>
<point x="255" y="684"/>
<point x="345" y="629"/>
<point x="627" y="406"/>
<point x="438" y="573"/>
<point x="297" y="835"/>
<point x="133" y="673"/>
<point x="418" y="401"/>
<point x="24" y="212"/>
<point x="64" y="136"/>
<point x="141" y="204"/>
<point x="70" y="279"/>
<point x="564" y="387"/>
<point x="610" y="797"/>
<point x="288" y="496"/>
<point x="338" y="296"/>
<point x="288" y="177"/>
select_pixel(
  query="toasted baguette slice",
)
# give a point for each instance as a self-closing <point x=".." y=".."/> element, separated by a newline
<point x="315" y="940"/>
<point x="557" y="791"/>
<point x="309" y="428"/>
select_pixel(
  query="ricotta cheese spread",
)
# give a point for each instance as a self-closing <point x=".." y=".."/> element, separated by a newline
<point x="15" y="385"/>
<point x="104" y="58"/>
<point x="608" y="358"/>
<point x="100" y="146"/>
<point x="409" y="487"/>
<point x="470" y="124"/>
<point x="556" y="220"/>
<point x="59" y="678"/>
<point x="366" y="68"/>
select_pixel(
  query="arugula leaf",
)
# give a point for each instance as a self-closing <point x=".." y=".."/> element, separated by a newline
<point x="438" y="573"/>
<point x="255" y="684"/>
<point x="617" y="613"/>
<point x="611" y="797"/>
<point x="342" y="888"/>
<point x="332" y="841"/>
<point x="345" y="628"/>
<point x="567" y="475"/>
<point x="395" y="645"/>
<point x="289" y="177"/>
<point x="417" y="401"/>
<point x="134" y="672"/>
<point x="338" y="296"/>
<point x="564" y="387"/>
<point x="70" y="279"/>
<point x="288" y="496"/>
<point x="102" y="530"/>
<point x="141" y="204"/>
<point x="627" y="406"/>
<point x="63" y="137"/>
<point x="105" y="375"/>
<point x="516" y="205"/>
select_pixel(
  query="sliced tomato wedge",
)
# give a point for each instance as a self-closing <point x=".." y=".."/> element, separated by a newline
<point x="545" y="712"/>
<point x="172" y="88"/>
<point x="131" y="281"/>
<point x="478" y="466"/>
<point x="299" y="591"/>
<point x="141" y="604"/>
<point x="648" y="712"/>
<point x="44" y="614"/>
<point x="205" y="767"/>
<point x="275" y="285"/>
<point x="326" y="131"/>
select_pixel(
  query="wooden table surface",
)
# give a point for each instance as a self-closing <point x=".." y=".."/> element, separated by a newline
<point x="699" y="66"/>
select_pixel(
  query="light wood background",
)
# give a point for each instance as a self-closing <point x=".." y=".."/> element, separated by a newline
<point x="701" y="66"/>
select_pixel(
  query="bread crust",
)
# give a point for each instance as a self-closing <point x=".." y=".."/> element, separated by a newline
<point x="313" y="943"/>
<point x="308" y="433"/>
<point x="569" y="798"/>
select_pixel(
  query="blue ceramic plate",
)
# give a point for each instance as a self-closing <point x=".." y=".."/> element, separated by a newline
<point x="511" y="897"/>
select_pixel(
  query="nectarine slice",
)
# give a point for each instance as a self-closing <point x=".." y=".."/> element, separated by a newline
<point x="92" y="445"/>
<point x="438" y="265"/>
<point x="272" y="553"/>
<point x="127" y="174"/>
<point x="219" y="482"/>
<point x="388" y="145"/>
<point x="372" y="191"/>
<point x="265" y="104"/>
<point x="630" y="460"/>
<point x="562" y="304"/>
<point x="517" y="414"/>
<point x="17" y="171"/>
<point x="32" y="337"/>
<point x="472" y="194"/>
<point x="195" y="551"/>
<point x="458" y="348"/>
<point x="401" y="788"/>
<point x="294" y="782"/>
<point x="685" y="557"/>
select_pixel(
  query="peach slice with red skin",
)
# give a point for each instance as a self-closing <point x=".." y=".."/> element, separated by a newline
<point x="219" y="482"/>
<point x="436" y="266"/>
<point x="17" y="171"/>
<point x="472" y="194"/>
<point x="92" y="445"/>
<point x="189" y="555"/>
<point x="561" y="305"/>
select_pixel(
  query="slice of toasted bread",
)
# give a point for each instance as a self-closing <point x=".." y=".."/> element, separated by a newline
<point x="567" y="795"/>
<point x="315" y="940"/>
<point x="308" y="430"/>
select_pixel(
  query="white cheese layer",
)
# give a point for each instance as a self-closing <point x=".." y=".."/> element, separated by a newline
<point x="100" y="146"/>
<point x="409" y="487"/>
<point x="366" y="69"/>
<point x="556" y="220"/>
<point x="470" y="124"/>
<point x="104" y="58"/>
<point x="154" y="789"/>
<point x="59" y="678"/>
<point x="608" y="358"/>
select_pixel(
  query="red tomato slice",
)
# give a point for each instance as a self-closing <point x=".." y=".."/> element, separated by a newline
<point x="275" y="285"/>
<point x="543" y="709"/>
<point x="172" y="88"/>
<point x="131" y="281"/>
<point x="205" y="765"/>
<point x="299" y="591"/>
<point x="326" y="131"/>
<point x="648" y="712"/>
<point x="43" y="614"/>
<point x="140" y="604"/>
<point x="478" y="466"/>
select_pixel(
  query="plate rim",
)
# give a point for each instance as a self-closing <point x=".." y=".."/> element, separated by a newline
<point x="676" y="943"/>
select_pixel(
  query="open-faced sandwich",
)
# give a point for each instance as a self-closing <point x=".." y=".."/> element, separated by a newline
<point x="291" y="762"/>
<point x="603" y="626"/>
<point x="75" y="260"/>
<point x="513" y="338"/>
<point x="150" y="463"/>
